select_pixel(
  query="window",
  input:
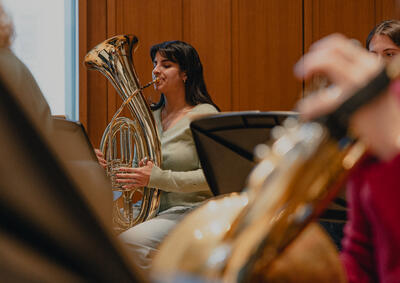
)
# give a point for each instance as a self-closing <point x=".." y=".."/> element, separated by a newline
<point x="46" y="41"/>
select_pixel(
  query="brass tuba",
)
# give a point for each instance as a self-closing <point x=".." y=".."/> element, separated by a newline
<point x="266" y="234"/>
<point x="125" y="142"/>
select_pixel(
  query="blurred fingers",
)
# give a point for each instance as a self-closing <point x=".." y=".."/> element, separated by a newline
<point x="343" y="62"/>
<point x="324" y="101"/>
<point x="98" y="152"/>
<point x="100" y="158"/>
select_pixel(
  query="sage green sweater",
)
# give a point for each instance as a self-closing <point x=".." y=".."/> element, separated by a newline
<point x="180" y="177"/>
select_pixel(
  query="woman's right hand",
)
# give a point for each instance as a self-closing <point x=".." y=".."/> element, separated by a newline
<point x="100" y="158"/>
<point x="135" y="177"/>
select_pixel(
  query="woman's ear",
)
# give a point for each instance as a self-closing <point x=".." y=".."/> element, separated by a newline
<point x="184" y="77"/>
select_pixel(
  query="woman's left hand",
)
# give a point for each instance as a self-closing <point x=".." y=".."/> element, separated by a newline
<point x="100" y="158"/>
<point x="135" y="177"/>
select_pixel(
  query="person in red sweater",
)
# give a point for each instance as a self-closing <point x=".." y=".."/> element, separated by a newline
<point x="371" y="245"/>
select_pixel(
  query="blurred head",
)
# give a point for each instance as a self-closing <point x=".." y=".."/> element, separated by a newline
<point x="384" y="39"/>
<point x="6" y="29"/>
<point x="190" y="69"/>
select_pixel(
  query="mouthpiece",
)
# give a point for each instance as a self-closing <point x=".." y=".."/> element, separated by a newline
<point x="156" y="80"/>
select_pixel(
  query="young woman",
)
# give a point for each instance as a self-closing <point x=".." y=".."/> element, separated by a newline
<point x="384" y="41"/>
<point x="179" y="70"/>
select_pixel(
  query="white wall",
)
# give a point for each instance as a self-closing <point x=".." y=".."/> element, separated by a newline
<point x="40" y="43"/>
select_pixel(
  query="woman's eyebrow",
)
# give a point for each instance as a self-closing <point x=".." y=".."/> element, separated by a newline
<point x="390" y="49"/>
<point x="162" y="61"/>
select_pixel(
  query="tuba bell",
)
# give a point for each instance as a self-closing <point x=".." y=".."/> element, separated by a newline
<point x="125" y="142"/>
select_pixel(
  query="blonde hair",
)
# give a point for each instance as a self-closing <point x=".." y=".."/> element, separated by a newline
<point x="6" y="28"/>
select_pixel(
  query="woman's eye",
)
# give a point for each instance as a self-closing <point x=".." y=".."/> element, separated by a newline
<point x="390" y="54"/>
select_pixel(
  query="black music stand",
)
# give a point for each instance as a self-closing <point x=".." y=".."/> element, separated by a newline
<point x="225" y="144"/>
<point x="49" y="232"/>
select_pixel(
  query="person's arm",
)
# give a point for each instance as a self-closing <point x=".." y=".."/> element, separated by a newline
<point x="149" y="175"/>
<point x="357" y="252"/>
<point x="182" y="182"/>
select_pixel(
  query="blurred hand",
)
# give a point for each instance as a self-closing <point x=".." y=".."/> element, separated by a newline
<point x="347" y="65"/>
<point x="135" y="177"/>
<point x="100" y="158"/>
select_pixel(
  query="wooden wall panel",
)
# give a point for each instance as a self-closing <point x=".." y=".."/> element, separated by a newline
<point x="248" y="47"/>
<point x="93" y="107"/>
<point x="267" y="40"/>
<point x="386" y="10"/>
<point x="207" y="27"/>
<point x="353" y="18"/>
<point x="83" y="92"/>
<point x="113" y="99"/>
<point x="152" y="21"/>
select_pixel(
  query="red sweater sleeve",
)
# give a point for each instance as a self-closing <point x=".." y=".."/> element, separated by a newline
<point x="371" y="246"/>
<point x="357" y="252"/>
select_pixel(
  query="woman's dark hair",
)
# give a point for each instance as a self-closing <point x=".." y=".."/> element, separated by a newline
<point x="391" y="28"/>
<point x="188" y="60"/>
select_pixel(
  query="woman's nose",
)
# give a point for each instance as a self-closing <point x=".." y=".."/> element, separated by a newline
<point x="156" y="71"/>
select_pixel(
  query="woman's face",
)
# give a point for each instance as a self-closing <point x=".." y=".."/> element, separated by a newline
<point x="383" y="46"/>
<point x="171" y="78"/>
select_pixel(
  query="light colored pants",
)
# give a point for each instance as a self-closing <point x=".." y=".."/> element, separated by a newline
<point x="143" y="239"/>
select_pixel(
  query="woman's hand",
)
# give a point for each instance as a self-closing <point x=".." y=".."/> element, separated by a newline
<point x="347" y="65"/>
<point x="100" y="158"/>
<point x="135" y="177"/>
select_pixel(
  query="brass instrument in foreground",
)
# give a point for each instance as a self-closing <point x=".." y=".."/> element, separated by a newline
<point x="237" y="238"/>
<point x="264" y="234"/>
<point x="125" y="142"/>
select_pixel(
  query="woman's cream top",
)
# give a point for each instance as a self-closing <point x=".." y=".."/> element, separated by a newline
<point x="180" y="177"/>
